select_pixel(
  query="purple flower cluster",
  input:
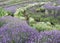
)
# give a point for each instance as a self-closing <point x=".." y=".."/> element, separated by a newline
<point x="57" y="7"/>
<point x="49" y="6"/>
<point x="17" y="31"/>
<point x="12" y="9"/>
<point x="50" y="37"/>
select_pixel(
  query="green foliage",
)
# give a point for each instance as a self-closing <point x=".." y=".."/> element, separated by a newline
<point x="42" y="26"/>
<point x="57" y="26"/>
<point x="50" y="19"/>
<point x="41" y="9"/>
<point x="31" y="21"/>
<point x="58" y="17"/>
<point x="10" y="14"/>
<point x="19" y="13"/>
<point x="3" y="12"/>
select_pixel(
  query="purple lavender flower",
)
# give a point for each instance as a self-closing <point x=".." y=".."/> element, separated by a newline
<point x="57" y="7"/>
<point x="49" y="6"/>
<point x="50" y="36"/>
<point x="17" y="31"/>
<point x="11" y="9"/>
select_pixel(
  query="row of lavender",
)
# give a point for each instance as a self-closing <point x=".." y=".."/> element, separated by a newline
<point x="14" y="30"/>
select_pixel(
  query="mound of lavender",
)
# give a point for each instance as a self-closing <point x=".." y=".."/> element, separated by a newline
<point x="15" y="30"/>
<point x="49" y="37"/>
<point x="8" y="19"/>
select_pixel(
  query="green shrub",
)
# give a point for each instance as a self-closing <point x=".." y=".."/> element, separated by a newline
<point x="57" y="26"/>
<point x="31" y="21"/>
<point x="3" y="12"/>
<point x="49" y="19"/>
<point x="10" y="13"/>
<point x="42" y="26"/>
<point x="19" y="12"/>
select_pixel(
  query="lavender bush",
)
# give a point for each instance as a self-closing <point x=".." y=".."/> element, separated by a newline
<point x="49" y="37"/>
<point x="17" y="31"/>
<point x="49" y="6"/>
